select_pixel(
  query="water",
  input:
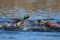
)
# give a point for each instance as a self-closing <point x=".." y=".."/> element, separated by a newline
<point x="17" y="35"/>
<point x="13" y="35"/>
<point x="39" y="14"/>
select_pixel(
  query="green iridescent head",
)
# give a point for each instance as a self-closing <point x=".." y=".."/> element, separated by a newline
<point x="41" y="21"/>
<point x="26" y="17"/>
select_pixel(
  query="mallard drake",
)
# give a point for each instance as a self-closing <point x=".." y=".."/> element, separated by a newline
<point x="26" y="17"/>
<point x="41" y="21"/>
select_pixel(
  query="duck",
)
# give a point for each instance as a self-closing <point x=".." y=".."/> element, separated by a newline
<point x="16" y="23"/>
<point x="47" y="25"/>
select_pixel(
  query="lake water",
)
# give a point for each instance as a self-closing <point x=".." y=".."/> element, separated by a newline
<point x="13" y="35"/>
<point x="38" y="14"/>
<point x="17" y="35"/>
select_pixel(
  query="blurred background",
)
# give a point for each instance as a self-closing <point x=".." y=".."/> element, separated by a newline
<point x="19" y="8"/>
